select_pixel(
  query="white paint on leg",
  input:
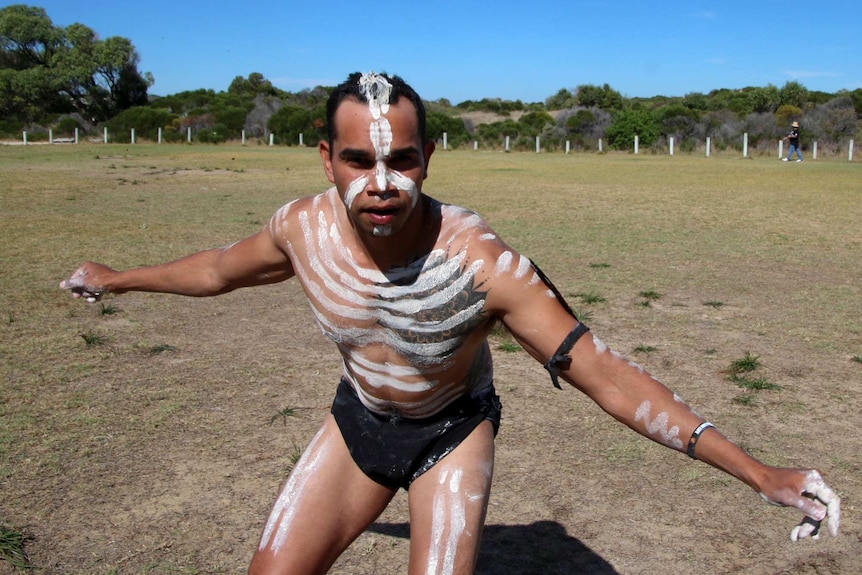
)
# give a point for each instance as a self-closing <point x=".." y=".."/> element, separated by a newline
<point x="448" y="523"/>
<point x="283" y="512"/>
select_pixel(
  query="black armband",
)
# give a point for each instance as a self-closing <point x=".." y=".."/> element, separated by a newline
<point x="561" y="359"/>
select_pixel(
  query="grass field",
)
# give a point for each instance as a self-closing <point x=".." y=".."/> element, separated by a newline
<point x="149" y="434"/>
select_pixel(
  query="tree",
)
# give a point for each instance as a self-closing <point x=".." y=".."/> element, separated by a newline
<point x="765" y="99"/>
<point x="627" y="124"/>
<point x="602" y="97"/>
<point x="793" y="94"/>
<point x="46" y="69"/>
<point x="562" y="100"/>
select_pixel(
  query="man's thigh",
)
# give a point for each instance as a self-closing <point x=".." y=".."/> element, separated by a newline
<point x="448" y="505"/>
<point x="325" y="504"/>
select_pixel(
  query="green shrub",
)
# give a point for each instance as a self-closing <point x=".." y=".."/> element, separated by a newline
<point x="145" y="121"/>
<point x="627" y="124"/>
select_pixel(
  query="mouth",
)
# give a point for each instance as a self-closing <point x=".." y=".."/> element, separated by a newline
<point x="381" y="215"/>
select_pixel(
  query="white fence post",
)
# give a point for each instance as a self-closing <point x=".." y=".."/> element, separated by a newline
<point x="637" y="143"/>
<point x="475" y="145"/>
<point x="106" y="135"/>
<point x="568" y="146"/>
<point x="133" y="135"/>
<point x="25" y="137"/>
<point x="708" y="142"/>
<point x="814" y="152"/>
<point x="76" y="135"/>
<point x="850" y="152"/>
<point x="243" y="137"/>
<point x="50" y="136"/>
<point x="601" y="145"/>
<point x="445" y="140"/>
<point x="745" y="145"/>
<point x="271" y="139"/>
<point x="300" y="140"/>
<point x="780" y="149"/>
<point x="671" y="145"/>
<point x="507" y="143"/>
<point x="189" y="134"/>
<point x="538" y="144"/>
<point x="160" y="135"/>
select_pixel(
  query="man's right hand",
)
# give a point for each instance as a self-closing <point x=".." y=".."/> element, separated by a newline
<point x="89" y="282"/>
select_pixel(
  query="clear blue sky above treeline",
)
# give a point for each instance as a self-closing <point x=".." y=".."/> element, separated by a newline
<point x="469" y="50"/>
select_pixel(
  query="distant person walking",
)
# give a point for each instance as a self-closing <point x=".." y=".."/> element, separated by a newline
<point x="793" y="136"/>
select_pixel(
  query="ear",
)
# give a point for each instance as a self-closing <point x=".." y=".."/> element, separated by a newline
<point x="430" y="146"/>
<point x="326" y="156"/>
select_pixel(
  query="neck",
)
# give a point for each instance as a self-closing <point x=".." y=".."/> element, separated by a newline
<point x="402" y="247"/>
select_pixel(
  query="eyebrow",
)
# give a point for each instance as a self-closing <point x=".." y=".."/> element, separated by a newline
<point x="353" y="154"/>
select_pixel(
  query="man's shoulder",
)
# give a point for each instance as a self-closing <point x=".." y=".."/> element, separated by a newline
<point x="290" y="211"/>
<point x="463" y="228"/>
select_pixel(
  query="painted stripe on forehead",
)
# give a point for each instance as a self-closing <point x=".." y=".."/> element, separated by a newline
<point x="377" y="90"/>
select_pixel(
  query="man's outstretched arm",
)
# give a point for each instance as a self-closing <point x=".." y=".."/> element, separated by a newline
<point x="256" y="260"/>
<point x="641" y="402"/>
<point x="542" y="324"/>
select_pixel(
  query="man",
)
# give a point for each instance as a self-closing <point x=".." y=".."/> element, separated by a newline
<point x="793" y="136"/>
<point x="408" y="290"/>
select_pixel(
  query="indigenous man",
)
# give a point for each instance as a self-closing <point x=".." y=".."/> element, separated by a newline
<point x="408" y="289"/>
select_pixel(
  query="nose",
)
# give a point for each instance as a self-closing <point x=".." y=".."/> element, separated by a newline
<point x="379" y="180"/>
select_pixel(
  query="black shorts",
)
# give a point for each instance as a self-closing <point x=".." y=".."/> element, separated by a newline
<point x="394" y="450"/>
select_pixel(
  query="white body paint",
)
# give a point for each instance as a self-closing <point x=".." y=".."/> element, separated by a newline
<point x="280" y="520"/>
<point x="658" y="427"/>
<point x="450" y="506"/>
<point x="399" y="333"/>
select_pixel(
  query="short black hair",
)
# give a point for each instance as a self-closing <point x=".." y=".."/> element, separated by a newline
<point x="350" y="88"/>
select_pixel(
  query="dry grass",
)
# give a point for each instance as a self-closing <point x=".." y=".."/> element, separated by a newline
<point x="153" y="451"/>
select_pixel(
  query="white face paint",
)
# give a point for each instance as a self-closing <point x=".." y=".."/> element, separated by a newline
<point x="377" y="90"/>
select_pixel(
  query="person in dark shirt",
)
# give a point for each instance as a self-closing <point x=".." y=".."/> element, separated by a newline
<point x="793" y="136"/>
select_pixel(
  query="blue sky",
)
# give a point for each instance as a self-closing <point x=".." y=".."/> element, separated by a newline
<point x="469" y="50"/>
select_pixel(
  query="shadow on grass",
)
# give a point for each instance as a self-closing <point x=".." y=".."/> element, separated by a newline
<point x="541" y="548"/>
